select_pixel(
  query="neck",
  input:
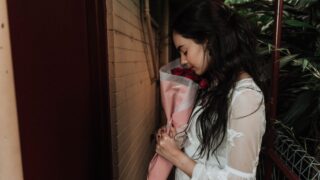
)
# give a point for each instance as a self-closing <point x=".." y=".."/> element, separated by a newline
<point x="243" y="75"/>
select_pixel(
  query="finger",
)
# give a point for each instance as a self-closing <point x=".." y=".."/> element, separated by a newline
<point x="169" y="126"/>
<point x="165" y="136"/>
<point x="163" y="129"/>
<point x="172" y="132"/>
<point x="162" y="133"/>
<point x="157" y="148"/>
<point x="162" y="137"/>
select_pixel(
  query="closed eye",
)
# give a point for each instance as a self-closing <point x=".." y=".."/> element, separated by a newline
<point x="185" y="53"/>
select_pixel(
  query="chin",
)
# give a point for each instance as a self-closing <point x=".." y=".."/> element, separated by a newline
<point x="198" y="72"/>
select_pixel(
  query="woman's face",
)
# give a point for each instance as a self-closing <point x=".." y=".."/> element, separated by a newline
<point x="191" y="53"/>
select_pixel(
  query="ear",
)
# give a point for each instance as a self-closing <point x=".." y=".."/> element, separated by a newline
<point x="205" y="47"/>
<point x="205" y="43"/>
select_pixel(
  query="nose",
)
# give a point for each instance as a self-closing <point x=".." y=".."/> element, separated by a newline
<point x="183" y="60"/>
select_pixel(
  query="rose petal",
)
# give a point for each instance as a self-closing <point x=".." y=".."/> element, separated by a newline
<point x="203" y="84"/>
<point x="177" y="71"/>
<point x="194" y="78"/>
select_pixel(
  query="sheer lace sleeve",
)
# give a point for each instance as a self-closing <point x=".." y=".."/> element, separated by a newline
<point x="246" y="127"/>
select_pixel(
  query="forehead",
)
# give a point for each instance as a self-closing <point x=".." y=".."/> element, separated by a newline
<point x="179" y="40"/>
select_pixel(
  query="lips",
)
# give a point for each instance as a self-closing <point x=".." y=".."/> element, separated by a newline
<point x="194" y="69"/>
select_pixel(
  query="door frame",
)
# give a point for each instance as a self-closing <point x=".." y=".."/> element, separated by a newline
<point x="98" y="55"/>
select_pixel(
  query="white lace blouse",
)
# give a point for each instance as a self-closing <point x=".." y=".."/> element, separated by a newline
<point x="239" y="153"/>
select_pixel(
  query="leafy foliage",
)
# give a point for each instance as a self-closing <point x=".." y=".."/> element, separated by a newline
<point x="299" y="84"/>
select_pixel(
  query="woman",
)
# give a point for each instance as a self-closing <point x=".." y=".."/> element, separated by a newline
<point x="225" y="131"/>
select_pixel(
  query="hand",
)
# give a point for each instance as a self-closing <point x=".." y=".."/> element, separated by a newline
<point x="166" y="144"/>
<point x="161" y="130"/>
<point x="168" y="148"/>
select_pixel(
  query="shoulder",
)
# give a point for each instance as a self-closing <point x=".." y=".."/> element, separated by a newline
<point x="246" y="98"/>
<point x="246" y="89"/>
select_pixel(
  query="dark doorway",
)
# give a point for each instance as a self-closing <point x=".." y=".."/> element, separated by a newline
<point x="59" y="56"/>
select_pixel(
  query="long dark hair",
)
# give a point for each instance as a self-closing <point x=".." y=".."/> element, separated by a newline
<point x="231" y="45"/>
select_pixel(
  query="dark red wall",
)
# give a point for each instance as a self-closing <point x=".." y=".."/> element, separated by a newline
<point x="56" y="89"/>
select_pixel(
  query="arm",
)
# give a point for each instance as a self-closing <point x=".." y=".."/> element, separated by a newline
<point x="246" y="126"/>
<point x="244" y="136"/>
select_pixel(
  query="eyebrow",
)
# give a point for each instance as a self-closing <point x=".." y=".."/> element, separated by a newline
<point x="179" y="47"/>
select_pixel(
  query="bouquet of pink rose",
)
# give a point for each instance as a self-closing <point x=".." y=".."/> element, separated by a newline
<point x="178" y="90"/>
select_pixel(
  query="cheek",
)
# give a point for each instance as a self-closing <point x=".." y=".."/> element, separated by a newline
<point x="203" y="62"/>
<point x="196" y="57"/>
<point x="200" y="58"/>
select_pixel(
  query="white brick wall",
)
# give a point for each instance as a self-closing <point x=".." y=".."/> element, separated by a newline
<point x="132" y="94"/>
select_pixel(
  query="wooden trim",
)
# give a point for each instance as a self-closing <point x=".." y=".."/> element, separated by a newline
<point x="10" y="152"/>
<point x="97" y="42"/>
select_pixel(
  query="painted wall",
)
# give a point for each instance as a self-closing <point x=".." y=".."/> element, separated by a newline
<point x="133" y="96"/>
<point x="10" y="156"/>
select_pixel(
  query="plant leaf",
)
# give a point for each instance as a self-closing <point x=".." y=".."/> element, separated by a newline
<point x="285" y="59"/>
<point x="297" y="23"/>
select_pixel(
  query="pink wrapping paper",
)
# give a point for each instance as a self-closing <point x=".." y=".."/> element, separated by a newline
<point x="177" y="97"/>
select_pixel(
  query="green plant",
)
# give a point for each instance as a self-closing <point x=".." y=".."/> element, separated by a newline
<point x="299" y="83"/>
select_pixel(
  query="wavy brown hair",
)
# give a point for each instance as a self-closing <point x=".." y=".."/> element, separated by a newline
<point x="231" y="45"/>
